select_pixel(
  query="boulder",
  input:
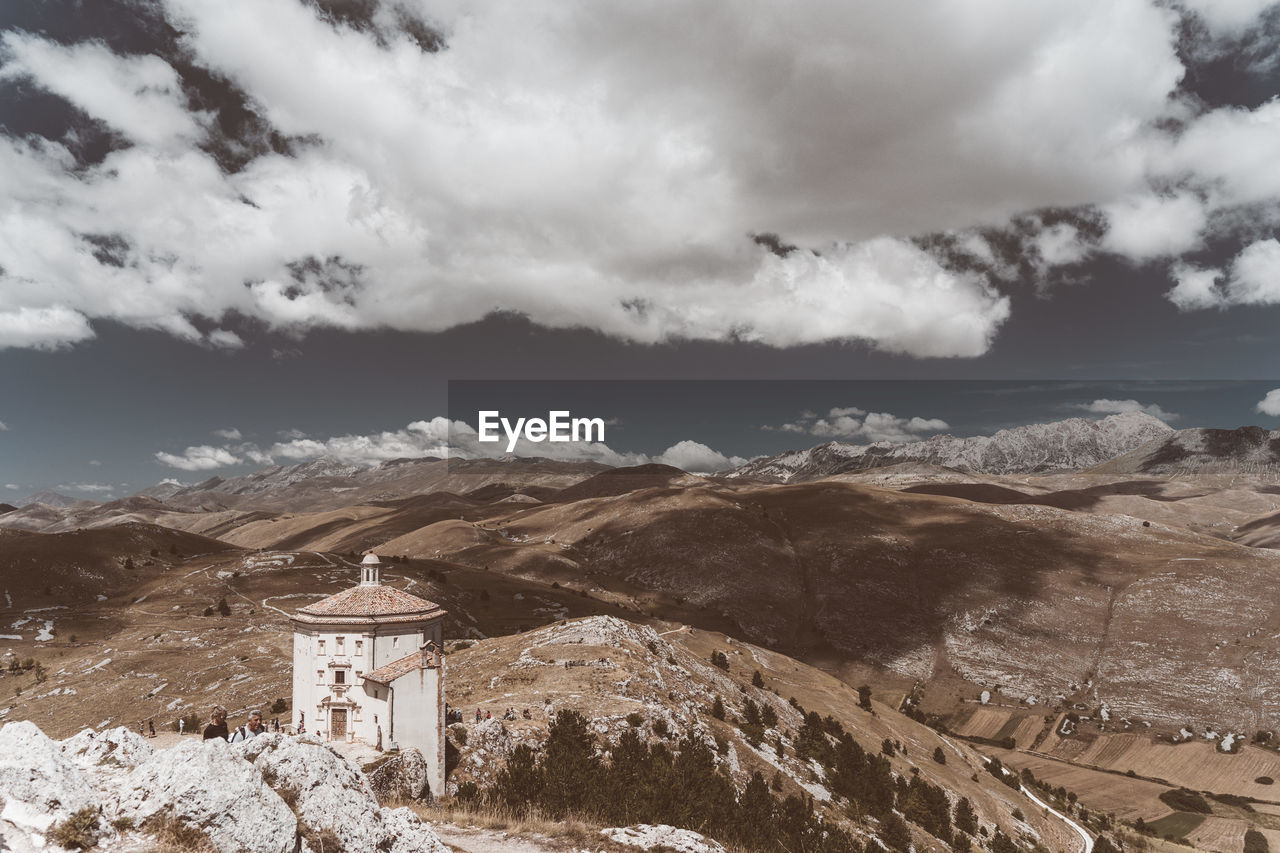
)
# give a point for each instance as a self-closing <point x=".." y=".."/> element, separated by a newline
<point x="120" y="747"/>
<point x="38" y="784"/>
<point x="402" y="777"/>
<point x="662" y="836"/>
<point x="208" y="787"/>
<point x="330" y="794"/>
<point x="408" y="834"/>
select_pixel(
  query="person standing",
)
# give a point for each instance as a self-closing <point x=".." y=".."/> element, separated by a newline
<point x="251" y="729"/>
<point x="151" y="724"/>
<point x="217" y="724"/>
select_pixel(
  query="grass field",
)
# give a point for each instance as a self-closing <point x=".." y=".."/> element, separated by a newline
<point x="1177" y="825"/>
<point x="1197" y="765"/>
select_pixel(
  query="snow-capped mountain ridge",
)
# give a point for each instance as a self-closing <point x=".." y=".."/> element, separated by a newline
<point x="1071" y="444"/>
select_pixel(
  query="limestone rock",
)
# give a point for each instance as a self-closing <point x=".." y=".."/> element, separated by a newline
<point x="38" y="784"/>
<point x="327" y="792"/>
<point x="330" y="794"/>
<point x="209" y="787"/>
<point x="666" y="837"/>
<point x="118" y="747"/>
<point x="408" y="834"/>
<point x="402" y="777"/>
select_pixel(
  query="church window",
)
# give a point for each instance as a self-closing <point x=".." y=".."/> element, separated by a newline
<point x="319" y="647"/>
<point x="339" y="676"/>
<point x="340" y="645"/>
<point x="359" y="647"/>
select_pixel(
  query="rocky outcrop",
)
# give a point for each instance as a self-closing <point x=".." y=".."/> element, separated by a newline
<point x="273" y="794"/>
<point x="208" y="786"/>
<point x="663" y="837"/>
<point x="401" y="777"/>
<point x="120" y="747"/>
<point x="38" y="784"/>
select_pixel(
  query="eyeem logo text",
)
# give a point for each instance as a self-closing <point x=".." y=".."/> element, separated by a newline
<point x="558" y="426"/>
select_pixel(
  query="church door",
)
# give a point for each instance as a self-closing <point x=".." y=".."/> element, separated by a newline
<point x="338" y="724"/>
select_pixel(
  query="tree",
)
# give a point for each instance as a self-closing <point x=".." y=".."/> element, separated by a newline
<point x="886" y="746"/>
<point x="939" y="756"/>
<point x="1104" y="845"/>
<point x="864" y="697"/>
<point x="768" y="716"/>
<point x="569" y="767"/>
<point x="720" y="659"/>
<point x="757" y="680"/>
<point x="966" y="820"/>
<point x="223" y="607"/>
<point x="717" y="708"/>
<point x="128" y="563"/>
<point x="518" y="783"/>
<point x="755" y="825"/>
<point x="894" y="832"/>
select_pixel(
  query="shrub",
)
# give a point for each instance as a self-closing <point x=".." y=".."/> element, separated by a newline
<point x="208" y="611"/>
<point x="1184" y="800"/>
<point x="660" y="728"/>
<point x="280" y="705"/>
<point x="78" y="832"/>
<point x="190" y="724"/>
<point x="757" y="680"/>
<point x="459" y="733"/>
<point x="864" y="697"/>
<point x="1255" y="842"/>
<point x="720" y="659"/>
<point x="224" y="608"/>
<point x="939" y="756"/>
<point x="717" y="708"/>
<point x="1265" y="780"/>
<point x="635" y="719"/>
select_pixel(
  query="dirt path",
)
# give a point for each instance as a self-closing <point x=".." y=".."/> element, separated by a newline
<point x="473" y="840"/>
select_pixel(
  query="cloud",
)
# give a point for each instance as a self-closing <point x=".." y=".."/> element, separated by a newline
<point x="1253" y="278"/>
<point x="96" y="463"/>
<point x="544" y="164"/>
<point x="13" y="486"/>
<point x="1270" y="404"/>
<point x="1150" y="226"/>
<point x="230" y="434"/>
<point x="1117" y="407"/>
<point x="1228" y="15"/>
<point x="94" y="488"/>
<point x="695" y="457"/>
<point x="200" y="458"/>
<point x="4" y="427"/>
<point x="436" y="438"/>
<point x="856" y="424"/>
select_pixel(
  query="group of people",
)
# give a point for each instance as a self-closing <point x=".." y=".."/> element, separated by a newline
<point x="252" y="728"/>
<point x="509" y="714"/>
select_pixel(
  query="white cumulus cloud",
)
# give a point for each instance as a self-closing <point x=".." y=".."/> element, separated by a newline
<point x="545" y="164"/>
<point x="696" y="457"/>
<point x="1270" y="404"/>
<point x="1117" y="407"/>
<point x="855" y="424"/>
<point x="201" y="457"/>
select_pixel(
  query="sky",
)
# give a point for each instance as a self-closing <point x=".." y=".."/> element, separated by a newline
<point x="241" y="233"/>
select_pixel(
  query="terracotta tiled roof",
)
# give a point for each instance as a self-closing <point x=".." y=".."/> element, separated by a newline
<point x="372" y="601"/>
<point x="388" y="673"/>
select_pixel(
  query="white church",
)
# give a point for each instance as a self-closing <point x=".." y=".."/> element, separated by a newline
<point x="367" y="666"/>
